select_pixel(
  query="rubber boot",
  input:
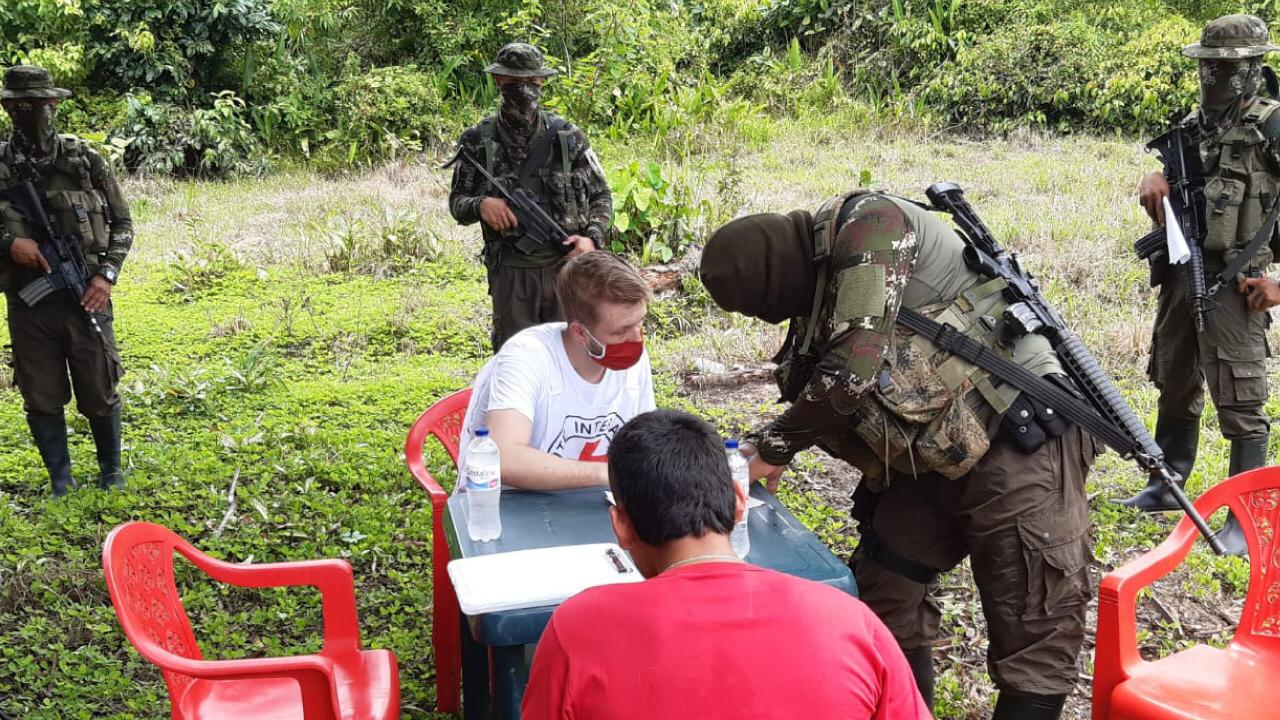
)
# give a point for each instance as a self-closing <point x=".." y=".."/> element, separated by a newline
<point x="106" y="437"/>
<point x="1179" y="439"/>
<point x="1012" y="706"/>
<point x="50" y="434"/>
<point x="1245" y="455"/>
<point x="921" y="662"/>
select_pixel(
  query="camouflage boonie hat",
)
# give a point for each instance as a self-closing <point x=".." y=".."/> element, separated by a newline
<point x="1232" y="37"/>
<point x="519" y="60"/>
<point x="30" y="81"/>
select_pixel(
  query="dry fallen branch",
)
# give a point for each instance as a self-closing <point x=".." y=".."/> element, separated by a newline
<point x="730" y="378"/>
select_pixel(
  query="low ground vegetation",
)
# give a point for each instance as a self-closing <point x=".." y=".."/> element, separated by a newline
<point x="282" y="333"/>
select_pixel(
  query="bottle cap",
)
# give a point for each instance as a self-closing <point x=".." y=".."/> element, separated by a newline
<point x="482" y="432"/>
<point x="730" y="444"/>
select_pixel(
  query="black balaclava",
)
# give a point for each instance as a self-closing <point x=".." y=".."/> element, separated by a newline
<point x="34" y="125"/>
<point x="762" y="266"/>
<point x="518" y="113"/>
<point x="1227" y="86"/>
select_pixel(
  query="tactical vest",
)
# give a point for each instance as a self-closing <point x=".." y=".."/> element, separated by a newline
<point x="930" y="411"/>
<point x="74" y="205"/>
<point x="559" y="190"/>
<point x="1241" y="187"/>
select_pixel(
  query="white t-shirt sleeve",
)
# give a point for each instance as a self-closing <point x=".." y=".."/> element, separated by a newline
<point x="646" y="401"/>
<point x="516" y="384"/>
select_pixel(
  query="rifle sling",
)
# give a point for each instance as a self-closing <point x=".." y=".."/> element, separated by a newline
<point x="947" y="338"/>
<point x="1246" y="255"/>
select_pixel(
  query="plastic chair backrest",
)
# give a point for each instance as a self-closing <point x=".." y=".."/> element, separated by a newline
<point x="444" y="421"/>
<point x="138" y="559"/>
<point x="1254" y="497"/>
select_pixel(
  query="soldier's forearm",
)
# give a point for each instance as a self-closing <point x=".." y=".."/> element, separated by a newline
<point x="799" y="428"/>
<point x="118" y="249"/>
<point x="465" y="209"/>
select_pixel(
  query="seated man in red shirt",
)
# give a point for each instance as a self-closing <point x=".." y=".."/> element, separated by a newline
<point x="706" y="635"/>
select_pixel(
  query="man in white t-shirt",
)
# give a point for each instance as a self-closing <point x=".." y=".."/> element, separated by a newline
<point x="555" y="394"/>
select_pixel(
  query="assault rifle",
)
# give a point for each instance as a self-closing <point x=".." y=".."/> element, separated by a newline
<point x="63" y="252"/>
<point x="1106" y="415"/>
<point x="1186" y="183"/>
<point x="536" y="223"/>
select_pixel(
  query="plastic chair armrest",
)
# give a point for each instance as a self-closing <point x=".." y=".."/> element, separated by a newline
<point x="1118" y="592"/>
<point x="332" y="577"/>
<point x="418" y="469"/>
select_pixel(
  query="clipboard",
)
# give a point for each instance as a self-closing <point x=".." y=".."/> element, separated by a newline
<point x="537" y="578"/>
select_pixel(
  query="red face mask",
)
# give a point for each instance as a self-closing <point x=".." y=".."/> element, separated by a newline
<point x="617" y="356"/>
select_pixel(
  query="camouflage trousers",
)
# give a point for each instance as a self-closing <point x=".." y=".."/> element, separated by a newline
<point x="522" y="297"/>
<point x="1230" y="357"/>
<point x="1023" y="521"/>
<point x="52" y="341"/>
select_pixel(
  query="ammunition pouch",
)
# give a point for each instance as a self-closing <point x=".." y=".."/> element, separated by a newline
<point x="1242" y="188"/>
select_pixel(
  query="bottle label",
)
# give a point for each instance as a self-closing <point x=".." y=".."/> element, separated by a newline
<point x="482" y="478"/>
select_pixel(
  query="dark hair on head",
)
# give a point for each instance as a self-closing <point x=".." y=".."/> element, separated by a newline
<point x="668" y="471"/>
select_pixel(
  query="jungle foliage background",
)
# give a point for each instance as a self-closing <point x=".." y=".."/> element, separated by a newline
<point x="210" y="87"/>
<point x="298" y="293"/>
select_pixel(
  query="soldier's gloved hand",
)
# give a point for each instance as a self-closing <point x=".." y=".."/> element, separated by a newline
<point x="579" y="245"/>
<point x="26" y="252"/>
<point x="495" y="213"/>
<point x="1151" y="194"/>
<point x="1261" y="292"/>
<point x="96" y="295"/>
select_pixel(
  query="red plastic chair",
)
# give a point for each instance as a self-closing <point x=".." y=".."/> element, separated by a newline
<point x="1201" y="683"/>
<point x="341" y="682"/>
<point x="444" y="421"/>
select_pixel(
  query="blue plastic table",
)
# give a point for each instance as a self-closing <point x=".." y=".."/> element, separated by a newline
<point x="579" y="517"/>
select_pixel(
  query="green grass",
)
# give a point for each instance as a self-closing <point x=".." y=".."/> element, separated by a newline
<point x="248" y="358"/>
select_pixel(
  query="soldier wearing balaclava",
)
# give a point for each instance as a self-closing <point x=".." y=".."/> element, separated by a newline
<point x="61" y="341"/>
<point x="528" y="149"/>
<point x="1233" y="149"/>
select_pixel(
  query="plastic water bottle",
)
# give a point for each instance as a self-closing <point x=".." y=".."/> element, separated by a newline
<point x="484" y="488"/>
<point x="741" y="474"/>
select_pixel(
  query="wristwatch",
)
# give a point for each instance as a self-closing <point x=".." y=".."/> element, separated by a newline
<point x="109" y="272"/>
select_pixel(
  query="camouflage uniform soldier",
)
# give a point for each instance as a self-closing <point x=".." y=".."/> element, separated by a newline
<point x="954" y="463"/>
<point x="54" y="336"/>
<point x="525" y="146"/>
<point x="1238" y="132"/>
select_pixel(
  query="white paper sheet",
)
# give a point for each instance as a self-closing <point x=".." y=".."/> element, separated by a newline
<point x="1176" y="244"/>
<point x="751" y="502"/>
<point x="536" y="578"/>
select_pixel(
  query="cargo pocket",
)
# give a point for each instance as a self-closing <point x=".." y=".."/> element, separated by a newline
<point x="1222" y="198"/>
<point x="1055" y="548"/>
<point x="1242" y="375"/>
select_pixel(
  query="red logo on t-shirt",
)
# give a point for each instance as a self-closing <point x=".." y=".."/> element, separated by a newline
<point x="585" y="438"/>
<point x="588" y="453"/>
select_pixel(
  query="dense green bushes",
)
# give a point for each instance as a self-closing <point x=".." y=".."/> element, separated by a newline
<point x="221" y="87"/>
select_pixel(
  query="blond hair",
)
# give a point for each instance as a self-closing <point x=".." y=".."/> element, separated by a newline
<point x="598" y="277"/>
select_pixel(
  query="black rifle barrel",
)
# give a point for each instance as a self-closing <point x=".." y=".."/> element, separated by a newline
<point x="63" y="253"/>
<point x="537" y="224"/>
<point x="985" y="255"/>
